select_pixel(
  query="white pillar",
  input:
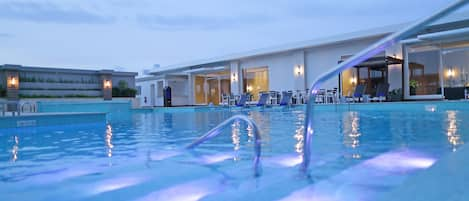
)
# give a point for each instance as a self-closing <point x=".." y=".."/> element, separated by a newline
<point x="236" y="78"/>
<point x="299" y="71"/>
<point x="190" y="89"/>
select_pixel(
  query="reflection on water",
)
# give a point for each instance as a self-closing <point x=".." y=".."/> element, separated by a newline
<point x="14" y="150"/>
<point x="108" y="140"/>
<point x="299" y="140"/>
<point x="250" y="134"/>
<point x="452" y="131"/>
<point x="299" y="134"/>
<point x="235" y="138"/>
<point x="352" y="133"/>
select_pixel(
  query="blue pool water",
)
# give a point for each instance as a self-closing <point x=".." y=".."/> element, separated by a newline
<point x="359" y="152"/>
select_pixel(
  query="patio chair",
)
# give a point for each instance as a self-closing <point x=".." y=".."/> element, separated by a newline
<point x="358" y="93"/>
<point x="286" y="98"/>
<point x="225" y="100"/>
<point x="382" y="91"/>
<point x="242" y="100"/>
<point x="263" y="97"/>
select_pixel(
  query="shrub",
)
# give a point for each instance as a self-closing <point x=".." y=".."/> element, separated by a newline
<point x="123" y="92"/>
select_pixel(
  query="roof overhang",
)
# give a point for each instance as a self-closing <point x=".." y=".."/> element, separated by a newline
<point x="454" y="21"/>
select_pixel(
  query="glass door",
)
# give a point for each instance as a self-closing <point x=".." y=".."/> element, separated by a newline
<point x="213" y="91"/>
<point x="200" y="88"/>
<point x="456" y="72"/>
<point x="423" y="73"/>
<point x="256" y="80"/>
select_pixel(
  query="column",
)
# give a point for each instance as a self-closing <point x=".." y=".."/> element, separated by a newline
<point x="236" y="78"/>
<point x="299" y="71"/>
<point x="12" y="79"/>
<point x="106" y="80"/>
<point x="190" y="89"/>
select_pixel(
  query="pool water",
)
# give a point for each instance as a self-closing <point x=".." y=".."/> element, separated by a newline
<point x="358" y="153"/>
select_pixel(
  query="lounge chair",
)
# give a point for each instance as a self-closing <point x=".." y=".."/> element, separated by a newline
<point x="382" y="91"/>
<point x="242" y="100"/>
<point x="286" y="98"/>
<point x="263" y="97"/>
<point x="358" y="93"/>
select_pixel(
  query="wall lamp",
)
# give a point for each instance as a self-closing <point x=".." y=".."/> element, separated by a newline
<point x="234" y="78"/>
<point x="298" y="70"/>
<point x="353" y="80"/>
<point x="107" y="84"/>
<point x="450" y="73"/>
<point x="13" y="81"/>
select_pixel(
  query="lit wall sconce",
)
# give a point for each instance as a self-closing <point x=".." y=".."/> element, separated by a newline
<point x="12" y="82"/>
<point x="249" y="88"/>
<point x="450" y="73"/>
<point x="353" y="80"/>
<point x="107" y="84"/>
<point x="234" y="78"/>
<point x="298" y="70"/>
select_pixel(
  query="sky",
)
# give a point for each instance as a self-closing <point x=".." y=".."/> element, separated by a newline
<point x="132" y="35"/>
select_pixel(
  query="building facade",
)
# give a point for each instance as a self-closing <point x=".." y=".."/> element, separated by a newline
<point x="433" y="64"/>
<point x="40" y="82"/>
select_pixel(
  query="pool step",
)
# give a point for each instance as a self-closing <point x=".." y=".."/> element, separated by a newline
<point x="367" y="180"/>
<point x="364" y="181"/>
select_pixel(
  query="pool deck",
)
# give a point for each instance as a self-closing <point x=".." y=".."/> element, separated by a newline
<point x="426" y="105"/>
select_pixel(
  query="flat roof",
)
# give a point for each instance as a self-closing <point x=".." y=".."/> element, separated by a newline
<point x="65" y="70"/>
<point x="336" y="39"/>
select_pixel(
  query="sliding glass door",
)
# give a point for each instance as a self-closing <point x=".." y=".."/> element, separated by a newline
<point x="456" y="71"/>
<point x="423" y="73"/>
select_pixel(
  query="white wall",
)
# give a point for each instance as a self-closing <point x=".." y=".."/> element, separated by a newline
<point x="321" y="59"/>
<point x="146" y="92"/>
<point x="179" y="91"/>
<point x="281" y="69"/>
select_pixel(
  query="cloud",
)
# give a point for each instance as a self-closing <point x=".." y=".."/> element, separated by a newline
<point x="193" y="22"/>
<point x="47" y="12"/>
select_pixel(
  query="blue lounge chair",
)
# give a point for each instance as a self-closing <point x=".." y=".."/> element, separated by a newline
<point x="382" y="91"/>
<point x="359" y="92"/>
<point x="286" y="98"/>
<point x="263" y="97"/>
<point x="242" y="100"/>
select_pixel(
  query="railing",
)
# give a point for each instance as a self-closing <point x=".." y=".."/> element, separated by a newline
<point x="28" y="107"/>
<point x="10" y="106"/>
<point x="355" y="60"/>
<point x="218" y="130"/>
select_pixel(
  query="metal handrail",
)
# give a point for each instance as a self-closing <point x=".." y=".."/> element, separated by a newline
<point x="32" y="106"/>
<point x="4" y="107"/>
<point x="218" y="130"/>
<point x="357" y="59"/>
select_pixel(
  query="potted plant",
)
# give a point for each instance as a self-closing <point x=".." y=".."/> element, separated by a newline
<point x="413" y="84"/>
<point x="395" y="95"/>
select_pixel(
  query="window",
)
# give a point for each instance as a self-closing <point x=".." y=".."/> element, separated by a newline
<point x="256" y="80"/>
<point x="424" y="71"/>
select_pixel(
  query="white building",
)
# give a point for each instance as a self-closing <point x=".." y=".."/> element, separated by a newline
<point x="433" y="64"/>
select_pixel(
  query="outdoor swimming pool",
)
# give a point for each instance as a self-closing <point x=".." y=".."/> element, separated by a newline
<point x="359" y="152"/>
